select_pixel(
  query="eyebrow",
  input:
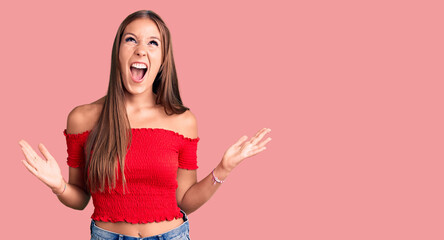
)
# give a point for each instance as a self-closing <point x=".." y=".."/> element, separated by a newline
<point x="136" y="36"/>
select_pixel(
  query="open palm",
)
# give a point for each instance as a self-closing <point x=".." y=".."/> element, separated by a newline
<point x="47" y="170"/>
<point x="243" y="149"/>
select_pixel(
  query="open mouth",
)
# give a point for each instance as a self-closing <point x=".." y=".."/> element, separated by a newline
<point x="138" y="71"/>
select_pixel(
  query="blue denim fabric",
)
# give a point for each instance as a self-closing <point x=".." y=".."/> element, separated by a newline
<point x="181" y="232"/>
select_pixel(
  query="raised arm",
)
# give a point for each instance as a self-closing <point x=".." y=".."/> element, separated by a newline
<point x="191" y="194"/>
<point x="73" y="193"/>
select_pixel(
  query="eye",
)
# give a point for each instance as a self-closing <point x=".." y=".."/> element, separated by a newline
<point x="154" y="42"/>
<point x="128" y="39"/>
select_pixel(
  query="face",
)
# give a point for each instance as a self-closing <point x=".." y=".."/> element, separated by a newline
<point x="140" y="55"/>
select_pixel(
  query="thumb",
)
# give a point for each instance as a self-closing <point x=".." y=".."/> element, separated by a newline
<point x="45" y="152"/>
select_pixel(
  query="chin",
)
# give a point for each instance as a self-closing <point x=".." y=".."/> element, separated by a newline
<point x="136" y="89"/>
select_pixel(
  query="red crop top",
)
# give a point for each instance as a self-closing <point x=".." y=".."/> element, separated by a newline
<point x="151" y="167"/>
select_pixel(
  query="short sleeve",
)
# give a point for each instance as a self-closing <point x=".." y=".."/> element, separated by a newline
<point x="188" y="153"/>
<point x="75" y="147"/>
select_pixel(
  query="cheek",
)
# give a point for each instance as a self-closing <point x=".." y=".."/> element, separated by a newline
<point x="158" y="57"/>
<point x="155" y="53"/>
<point x="123" y="55"/>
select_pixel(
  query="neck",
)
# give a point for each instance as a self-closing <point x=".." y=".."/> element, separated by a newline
<point x="137" y="102"/>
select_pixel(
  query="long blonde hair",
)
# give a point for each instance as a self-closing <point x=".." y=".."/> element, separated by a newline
<point x="110" y="138"/>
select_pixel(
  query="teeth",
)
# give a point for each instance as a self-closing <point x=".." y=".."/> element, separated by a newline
<point x="139" y="65"/>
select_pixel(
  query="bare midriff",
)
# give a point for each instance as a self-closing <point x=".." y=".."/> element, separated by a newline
<point x="140" y="229"/>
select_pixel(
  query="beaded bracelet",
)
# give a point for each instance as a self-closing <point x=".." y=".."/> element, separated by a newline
<point x="215" y="179"/>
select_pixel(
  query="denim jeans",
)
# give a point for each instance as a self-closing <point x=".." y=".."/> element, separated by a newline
<point x="181" y="232"/>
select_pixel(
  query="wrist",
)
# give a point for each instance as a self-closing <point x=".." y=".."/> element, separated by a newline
<point x="225" y="166"/>
<point x="221" y="172"/>
<point x="61" y="189"/>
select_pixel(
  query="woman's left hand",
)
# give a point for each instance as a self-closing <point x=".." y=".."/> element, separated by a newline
<point x="243" y="149"/>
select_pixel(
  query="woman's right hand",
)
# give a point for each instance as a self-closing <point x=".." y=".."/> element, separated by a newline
<point x="48" y="171"/>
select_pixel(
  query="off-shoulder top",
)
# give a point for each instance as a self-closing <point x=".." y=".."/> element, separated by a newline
<point x="151" y="166"/>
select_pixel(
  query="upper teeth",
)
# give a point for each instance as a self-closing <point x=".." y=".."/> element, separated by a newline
<point x="138" y="65"/>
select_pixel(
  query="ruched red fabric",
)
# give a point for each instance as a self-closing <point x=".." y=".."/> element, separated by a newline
<point x="150" y="170"/>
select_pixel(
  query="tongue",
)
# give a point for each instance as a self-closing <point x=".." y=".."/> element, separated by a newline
<point x="137" y="73"/>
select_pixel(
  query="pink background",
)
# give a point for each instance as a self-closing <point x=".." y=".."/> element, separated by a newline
<point x="353" y="93"/>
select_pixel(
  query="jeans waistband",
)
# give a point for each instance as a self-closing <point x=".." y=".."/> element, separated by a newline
<point x="183" y="228"/>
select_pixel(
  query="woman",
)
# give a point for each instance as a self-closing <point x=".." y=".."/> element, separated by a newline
<point x="134" y="150"/>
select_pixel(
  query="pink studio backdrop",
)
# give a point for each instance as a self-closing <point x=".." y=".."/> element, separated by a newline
<point x="352" y="90"/>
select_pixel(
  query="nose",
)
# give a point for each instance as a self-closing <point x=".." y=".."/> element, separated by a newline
<point x="141" y="52"/>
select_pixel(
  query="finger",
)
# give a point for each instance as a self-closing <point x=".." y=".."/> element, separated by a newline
<point x="256" y="151"/>
<point x="30" y="168"/>
<point x="262" y="144"/>
<point x="260" y="131"/>
<point x="25" y="144"/>
<point x="28" y="147"/>
<point x="45" y="152"/>
<point x="30" y="159"/>
<point x="259" y="135"/>
<point x="28" y="155"/>
<point x="256" y="135"/>
<point x="241" y="140"/>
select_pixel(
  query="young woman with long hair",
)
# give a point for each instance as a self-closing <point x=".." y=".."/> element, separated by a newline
<point x="134" y="150"/>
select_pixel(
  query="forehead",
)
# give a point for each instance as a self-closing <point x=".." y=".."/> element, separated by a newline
<point x="143" y="27"/>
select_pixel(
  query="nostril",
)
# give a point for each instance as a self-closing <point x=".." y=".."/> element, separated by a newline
<point x="140" y="52"/>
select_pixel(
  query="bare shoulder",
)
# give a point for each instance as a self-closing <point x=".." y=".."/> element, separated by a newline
<point x="84" y="117"/>
<point x="187" y="124"/>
